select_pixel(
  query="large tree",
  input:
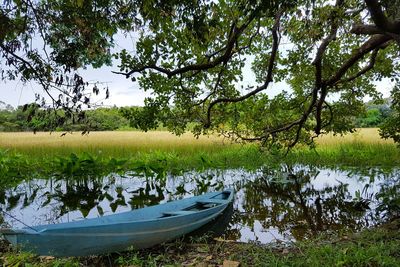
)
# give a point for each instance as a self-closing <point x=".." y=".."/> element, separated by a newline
<point x="213" y="63"/>
<point x="47" y="42"/>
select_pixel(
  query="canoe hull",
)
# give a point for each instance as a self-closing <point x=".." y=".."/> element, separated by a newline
<point x="106" y="238"/>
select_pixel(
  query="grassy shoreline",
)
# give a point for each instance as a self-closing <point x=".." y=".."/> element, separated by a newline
<point x="45" y="154"/>
<point x="16" y="165"/>
<point x="103" y="152"/>
<point x="371" y="247"/>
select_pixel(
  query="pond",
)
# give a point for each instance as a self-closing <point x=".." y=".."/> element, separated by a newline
<point x="281" y="204"/>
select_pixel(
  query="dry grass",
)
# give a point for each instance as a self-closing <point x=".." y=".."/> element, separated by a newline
<point x="132" y="142"/>
<point x="109" y="142"/>
<point x="363" y="147"/>
<point x="364" y="135"/>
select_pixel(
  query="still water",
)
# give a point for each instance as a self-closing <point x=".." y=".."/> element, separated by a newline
<point x="288" y="203"/>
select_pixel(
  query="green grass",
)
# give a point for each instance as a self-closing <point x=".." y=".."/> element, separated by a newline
<point x="25" y="155"/>
<point x="15" y="164"/>
<point x="351" y="154"/>
<point x="371" y="247"/>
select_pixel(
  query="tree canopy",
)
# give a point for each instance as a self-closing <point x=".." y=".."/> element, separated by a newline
<point x="213" y="63"/>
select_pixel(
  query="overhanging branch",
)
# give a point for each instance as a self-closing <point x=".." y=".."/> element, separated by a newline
<point x="270" y="69"/>
<point x="234" y="35"/>
<point x="380" y="19"/>
<point x="364" y="70"/>
<point x="374" y="42"/>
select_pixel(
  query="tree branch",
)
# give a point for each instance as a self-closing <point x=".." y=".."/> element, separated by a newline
<point x="368" y="29"/>
<point x="37" y="74"/>
<point x="379" y="18"/>
<point x="374" y="42"/>
<point x="270" y="68"/>
<point x="364" y="70"/>
<point x="233" y="37"/>
<point x="319" y="83"/>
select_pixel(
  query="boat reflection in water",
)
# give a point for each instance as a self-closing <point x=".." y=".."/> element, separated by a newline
<point x="216" y="228"/>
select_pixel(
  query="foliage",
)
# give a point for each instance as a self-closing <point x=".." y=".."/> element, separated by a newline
<point x="389" y="199"/>
<point x="372" y="118"/>
<point x="196" y="60"/>
<point x="375" y="116"/>
<point x="14" y="167"/>
<point x="105" y="119"/>
<point x="139" y="119"/>
<point x="34" y="118"/>
<point x="212" y="64"/>
<point x="391" y="127"/>
<point x="47" y="41"/>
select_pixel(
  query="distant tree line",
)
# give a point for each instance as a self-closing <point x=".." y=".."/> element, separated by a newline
<point x="33" y="118"/>
<point x="375" y="115"/>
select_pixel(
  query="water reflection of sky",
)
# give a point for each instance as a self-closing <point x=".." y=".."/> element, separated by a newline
<point x="264" y="211"/>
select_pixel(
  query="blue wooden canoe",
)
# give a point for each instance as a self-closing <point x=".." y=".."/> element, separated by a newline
<point x="141" y="228"/>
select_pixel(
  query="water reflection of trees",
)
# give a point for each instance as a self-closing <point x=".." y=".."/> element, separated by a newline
<point x="388" y="198"/>
<point x="145" y="196"/>
<point x="82" y="195"/>
<point x="86" y="195"/>
<point x="287" y="199"/>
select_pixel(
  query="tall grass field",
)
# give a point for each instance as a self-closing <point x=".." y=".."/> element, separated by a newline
<point x="364" y="147"/>
<point x="113" y="143"/>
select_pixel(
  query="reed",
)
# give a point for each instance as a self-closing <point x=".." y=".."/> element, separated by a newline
<point x="187" y="152"/>
<point x="351" y="154"/>
<point x="117" y="144"/>
<point x="364" y="148"/>
<point x="363" y="135"/>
